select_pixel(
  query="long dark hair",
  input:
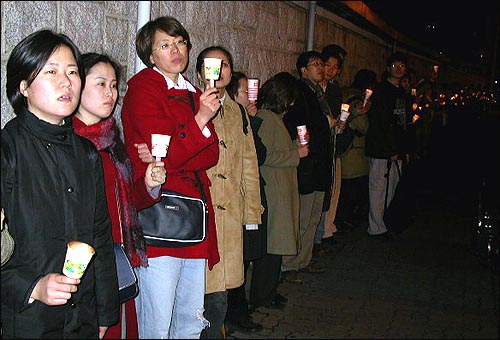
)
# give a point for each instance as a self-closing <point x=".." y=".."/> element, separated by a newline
<point x="29" y="57"/>
<point x="278" y="93"/>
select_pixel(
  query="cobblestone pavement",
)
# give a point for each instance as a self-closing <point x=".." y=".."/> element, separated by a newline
<point x="425" y="283"/>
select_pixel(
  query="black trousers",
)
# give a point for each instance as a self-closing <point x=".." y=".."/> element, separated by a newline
<point x="237" y="304"/>
<point x="265" y="279"/>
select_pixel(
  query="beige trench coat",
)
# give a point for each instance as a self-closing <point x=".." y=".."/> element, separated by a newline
<point x="235" y="194"/>
<point x="282" y="190"/>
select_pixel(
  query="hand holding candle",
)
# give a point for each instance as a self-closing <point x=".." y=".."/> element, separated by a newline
<point x="344" y="114"/>
<point x="212" y="67"/>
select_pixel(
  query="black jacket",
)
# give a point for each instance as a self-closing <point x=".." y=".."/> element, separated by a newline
<point x="58" y="196"/>
<point x="384" y="137"/>
<point x="314" y="171"/>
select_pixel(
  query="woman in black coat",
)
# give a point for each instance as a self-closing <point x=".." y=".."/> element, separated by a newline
<point x="54" y="195"/>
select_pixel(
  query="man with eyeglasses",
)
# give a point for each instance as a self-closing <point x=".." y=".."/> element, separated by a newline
<point x="384" y="141"/>
<point x="314" y="171"/>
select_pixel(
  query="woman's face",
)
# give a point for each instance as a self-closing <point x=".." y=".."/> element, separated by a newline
<point x="54" y="93"/>
<point x="242" y="94"/>
<point x="99" y="95"/>
<point x="170" y="61"/>
<point x="225" y="72"/>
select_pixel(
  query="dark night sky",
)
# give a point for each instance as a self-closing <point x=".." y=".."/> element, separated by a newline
<point x="463" y="29"/>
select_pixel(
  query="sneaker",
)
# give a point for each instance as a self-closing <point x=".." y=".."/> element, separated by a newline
<point x="312" y="269"/>
<point x="292" y="276"/>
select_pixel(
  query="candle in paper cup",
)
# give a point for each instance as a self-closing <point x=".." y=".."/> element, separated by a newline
<point x="413" y="91"/>
<point x="344" y="112"/>
<point x="302" y="130"/>
<point x="368" y="93"/>
<point x="212" y="68"/>
<point x="253" y="89"/>
<point x="78" y="256"/>
<point x="435" y="68"/>
<point x="159" y="145"/>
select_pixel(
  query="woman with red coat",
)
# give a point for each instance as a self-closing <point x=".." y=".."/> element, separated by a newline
<point x="159" y="100"/>
<point x="94" y="121"/>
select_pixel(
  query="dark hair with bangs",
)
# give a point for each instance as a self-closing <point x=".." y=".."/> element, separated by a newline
<point x="146" y="34"/>
<point x="29" y="57"/>
<point x="91" y="59"/>
<point x="234" y="84"/>
<point x="201" y="56"/>
<point x="278" y="93"/>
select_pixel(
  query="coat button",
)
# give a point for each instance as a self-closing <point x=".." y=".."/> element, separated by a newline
<point x="49" y="145"/>
<point x="182" y="134"/>
<point x="73" y="305"/>
<point x="181" y="126"/>
<point x="70" y="189"/>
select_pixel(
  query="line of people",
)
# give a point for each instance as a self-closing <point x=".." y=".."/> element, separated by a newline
<point x="273" y="202"/>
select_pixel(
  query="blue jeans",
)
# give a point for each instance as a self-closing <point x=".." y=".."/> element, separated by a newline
<point x="170" y="300"/>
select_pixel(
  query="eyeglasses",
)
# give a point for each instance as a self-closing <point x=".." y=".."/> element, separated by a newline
<point x="316" y="63"/>
<point x="168" y="47"/>
<point x="398" y="66"/>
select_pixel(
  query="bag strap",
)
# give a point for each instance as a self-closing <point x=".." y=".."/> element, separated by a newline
<point x="243" y="118"/>
<point x="198" y="180"/>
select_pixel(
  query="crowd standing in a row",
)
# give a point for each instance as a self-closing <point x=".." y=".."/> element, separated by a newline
<point x="274" y="203"/>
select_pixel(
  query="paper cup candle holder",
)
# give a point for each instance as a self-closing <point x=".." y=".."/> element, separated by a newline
<point x="253" y="89"/>
<point x="212" y="69"/>
<point x="159" y="145"/>
<point x="78" y="256"/>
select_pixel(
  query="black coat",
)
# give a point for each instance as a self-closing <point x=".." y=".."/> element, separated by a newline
<point x="315" y="171"/>
<point x="58" y="196"/>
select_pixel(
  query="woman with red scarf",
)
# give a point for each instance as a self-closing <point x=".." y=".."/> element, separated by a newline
<point x="94" y="121"/>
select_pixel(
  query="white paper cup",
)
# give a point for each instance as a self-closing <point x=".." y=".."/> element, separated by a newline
<point x="159" y="145"/>
<point x="253" y="89"/>
<point x="302" y="130"/>
<point x="368" y="93"/>
<point x="212" y="68"/>
<point x="78" y="256"/>
<point x="344" y="112"/>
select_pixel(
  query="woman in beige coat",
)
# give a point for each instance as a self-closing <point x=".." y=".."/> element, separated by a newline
<point x="280" y="174"/>
<point x="235" y="194"/>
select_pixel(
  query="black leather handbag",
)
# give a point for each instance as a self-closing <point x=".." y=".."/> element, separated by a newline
<point x="127" y="281"/>
<point x="175" y="221"/>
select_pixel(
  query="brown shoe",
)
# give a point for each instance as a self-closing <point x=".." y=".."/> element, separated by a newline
<point x="292" y="276"/>
<point x="312" y="269"/>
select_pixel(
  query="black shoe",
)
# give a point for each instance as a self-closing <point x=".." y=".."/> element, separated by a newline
<point x="244" y="325"/>
<point x="384" y="236"/>
<point x="280" y="298"/>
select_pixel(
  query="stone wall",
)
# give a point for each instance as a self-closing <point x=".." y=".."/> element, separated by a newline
<point x="265" y="37"/>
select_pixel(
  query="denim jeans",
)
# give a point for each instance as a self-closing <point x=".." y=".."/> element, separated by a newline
<point x="170" y="300"/>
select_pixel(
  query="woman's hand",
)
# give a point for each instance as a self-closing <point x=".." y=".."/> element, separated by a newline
<point x="252" y="108"/>
<point x="144" y="153"/>
<point x="303" y="150"/>
<point x="156" y="174"/>
<point x="209" y="105"/>
<point x="54" y="289"/>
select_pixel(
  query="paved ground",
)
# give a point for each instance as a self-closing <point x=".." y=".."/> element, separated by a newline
<point x="424" y="284"/>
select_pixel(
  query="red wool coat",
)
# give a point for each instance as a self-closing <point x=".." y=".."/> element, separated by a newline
<point x="150" y="107"/>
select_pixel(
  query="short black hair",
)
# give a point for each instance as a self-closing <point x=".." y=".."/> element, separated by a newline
<point x="145" y="36"/>
<point x="396" y="56"/>
<point x="90" y="59"/>
<point x="334" y="50"/>
<point x="201" y="56"/>
<point x="304" y="58"/>
<point x="29" y="57"/>
<point x="234" y="84"/>
<point x="278" y="92"/>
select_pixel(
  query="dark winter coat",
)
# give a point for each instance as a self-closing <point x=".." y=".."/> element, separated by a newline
<point x="58" y="196"/>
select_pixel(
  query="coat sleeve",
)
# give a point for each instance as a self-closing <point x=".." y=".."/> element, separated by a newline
<point x="251" y="185"/>
<point x="106" y="282"/>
